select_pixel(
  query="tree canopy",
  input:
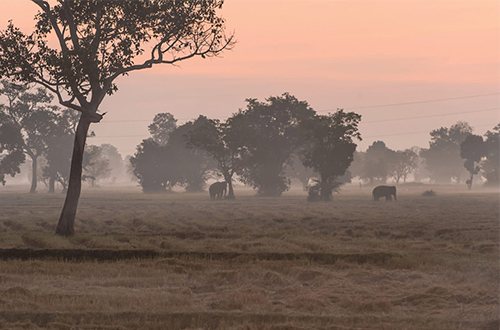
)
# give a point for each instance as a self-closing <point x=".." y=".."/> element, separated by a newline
<point x="268" y="133"/>
<point x="329" y="147"/>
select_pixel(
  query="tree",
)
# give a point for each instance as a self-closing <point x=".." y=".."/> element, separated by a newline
<point x="215" y="138"/>
<point x="267" y="134"/>
<point x="111" y="153"/>
<point x="100" y="41"/>
<point x="378" y="163"/>
<point x="472" y="149"/>
<point x="95" y="164"/>
<point x="11" y="154"/>
<point x="162" y="127"/>
<point x="33" y="116"/>
<point x="491" y="165"/>
<point x="192" y="165"/>
<point x="58" y="152"/>
<point x="152" y="166"/>
<point x="405" y="162"/>
<point x="329" y="147"/>
<point x="443" y="155"/>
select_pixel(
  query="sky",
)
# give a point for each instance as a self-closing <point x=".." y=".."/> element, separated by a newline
<point x="406" y="66"/>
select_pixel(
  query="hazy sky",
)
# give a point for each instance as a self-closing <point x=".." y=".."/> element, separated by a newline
<point x="370" y="57"/>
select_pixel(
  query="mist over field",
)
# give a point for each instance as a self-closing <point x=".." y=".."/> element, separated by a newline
<point x="182" y="261"/>
<point x="276" y="165"/>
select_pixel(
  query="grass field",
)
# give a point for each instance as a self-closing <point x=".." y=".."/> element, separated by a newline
<point x="423" y="262"/>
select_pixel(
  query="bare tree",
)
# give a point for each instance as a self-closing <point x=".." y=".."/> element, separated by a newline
<point x="98" y="41"/>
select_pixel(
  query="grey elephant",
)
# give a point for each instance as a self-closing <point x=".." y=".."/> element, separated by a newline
<point x="218" y="190"/>
<point x="384" y="191"/>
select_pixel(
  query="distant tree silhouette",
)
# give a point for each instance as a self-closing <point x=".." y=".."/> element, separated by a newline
<point x="98" y="41"/>
<point x="472" y="149"/>
<point x="162" y="127"/>
<point x="217" y="139"/>
<point x="491" y="165"/>
<point x="442" y="158"/>
<point x="96" y="165"/>
<point x="111" y="153"/>
<point x="58" y="152"/>
<point x="152" y="165"/>
<point x="405" y="163"/>
<point x="11" y="153"/>
<point x="33" y="115"/>
<point x="378" y="163"/>
<point x="193" y="165"/>
<point x="329" y="147"/>
<point x="268" y="134"/>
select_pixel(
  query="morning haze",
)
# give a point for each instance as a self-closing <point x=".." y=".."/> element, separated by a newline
<point x="249" y="164"/>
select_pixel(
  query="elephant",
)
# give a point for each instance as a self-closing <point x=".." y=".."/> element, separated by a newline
<point x="217" y="190"/>
<point x="384" y="191"/>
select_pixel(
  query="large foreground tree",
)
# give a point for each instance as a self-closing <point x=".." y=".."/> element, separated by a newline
<point x="99" y="41"/>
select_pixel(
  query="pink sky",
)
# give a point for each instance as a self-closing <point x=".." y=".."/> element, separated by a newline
<point x="333" y="54"/>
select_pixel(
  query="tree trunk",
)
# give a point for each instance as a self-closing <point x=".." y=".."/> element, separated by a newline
<point x="34" y="165"/>
<point x="52" y="184"/>
<point x="230" y="191"/>
<point x="66" y="225"/>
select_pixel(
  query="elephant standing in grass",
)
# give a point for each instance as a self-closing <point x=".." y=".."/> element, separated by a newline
<point x="218" y="190"/>
<point x="384" y="191"/>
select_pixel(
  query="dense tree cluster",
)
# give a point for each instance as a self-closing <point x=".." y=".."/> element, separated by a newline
<point x="257" y="144"/>
<point x="442" y="162"/>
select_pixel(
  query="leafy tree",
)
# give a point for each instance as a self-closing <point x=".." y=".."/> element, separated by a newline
<point x="267" y="134"/>
<point x="491" y="165"/>
<point x="152" y="166"/>
<point x="215" y="138"/>
<point x="111" y="153"/>
<point x="98" y="41"/>
<point x="443" y="155"/>
<point x="162" y="127"/>
<point x="472" y="149"/>
<point x="329" y="147"/>
<point x="378" y="163"/>
<point x="58" y="151"/>
<point x="405" y="163"/>
<point x="95" y="165"/>
<point x="192" y="165"/>
<point x="11" y="154"/>
<point x="34" y="117"/>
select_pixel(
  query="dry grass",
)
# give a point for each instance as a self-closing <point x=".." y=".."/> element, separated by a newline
<point x="444" y="274"/>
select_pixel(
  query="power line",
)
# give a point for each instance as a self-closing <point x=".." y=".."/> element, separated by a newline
<point x="428" y="116"/>
<point x="417" y="102"/>
<point x="360" y="107"/>
<point x="410" y="133"/>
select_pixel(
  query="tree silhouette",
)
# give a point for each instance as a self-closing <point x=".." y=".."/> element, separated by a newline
<point x="443" y="155"/>
<point x="472" y="149"/>
<point x="11" y="153"/>
<point x="267" y="134"/>
<point x="491" y="165"/>
<point x="162" y="127"/>
<point x="99" y="41"/>
<point x="329" y="147"/>
<point x="215" y="138"/>
<point x="33" y="115"/>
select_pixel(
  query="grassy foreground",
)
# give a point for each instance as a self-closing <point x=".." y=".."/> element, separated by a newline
<point x="253" y="263"/>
